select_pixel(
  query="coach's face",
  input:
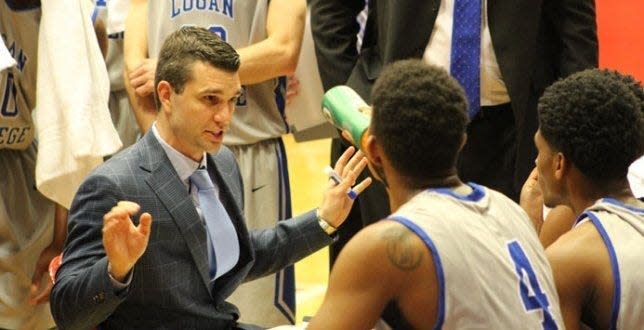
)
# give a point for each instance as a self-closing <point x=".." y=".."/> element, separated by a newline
<point x="200" y="114"/>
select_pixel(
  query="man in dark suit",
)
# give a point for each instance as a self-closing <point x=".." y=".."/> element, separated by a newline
<point x="139" y="254"/>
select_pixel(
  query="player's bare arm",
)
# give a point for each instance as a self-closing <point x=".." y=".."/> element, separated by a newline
<point x="582" y="274"/>
<point x="357" y="295"/>
<point x="558" y="221"/>
<point x="276" y="55"/>
<point x="135" y="52"/>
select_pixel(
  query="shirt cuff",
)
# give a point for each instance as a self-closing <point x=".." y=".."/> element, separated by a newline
<point x="119" y="286"/>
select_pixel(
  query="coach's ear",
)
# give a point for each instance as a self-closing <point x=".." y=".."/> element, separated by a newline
<point x="164" y="91"/>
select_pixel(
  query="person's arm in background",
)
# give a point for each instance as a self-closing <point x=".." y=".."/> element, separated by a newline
<point x="558" y="222"/>
<point x="335" y="29"/>
<point x="40" y="294"/>
<point x="579" y="262"/>
<point x="139" y="70"/>
<point x="574" y="22"/>
<point x="276" y="55"/>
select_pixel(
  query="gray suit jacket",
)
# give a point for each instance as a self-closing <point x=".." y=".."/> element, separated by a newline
<point x="170" y="287"/>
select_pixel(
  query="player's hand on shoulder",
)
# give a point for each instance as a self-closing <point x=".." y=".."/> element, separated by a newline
<point x="142" y="77"/>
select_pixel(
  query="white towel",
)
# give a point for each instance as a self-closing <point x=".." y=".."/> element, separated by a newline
<point x="6" y="60"/>
<point x="116" y="14"/>
<point x="73" y="123"/>
<point x="636" y="177"/>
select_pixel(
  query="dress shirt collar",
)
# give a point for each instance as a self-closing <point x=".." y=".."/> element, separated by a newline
<point x="183" y="165"/>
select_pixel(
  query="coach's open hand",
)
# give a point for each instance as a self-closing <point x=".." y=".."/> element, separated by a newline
<point x="124" y="243"/>
<point x="336" y="204"/>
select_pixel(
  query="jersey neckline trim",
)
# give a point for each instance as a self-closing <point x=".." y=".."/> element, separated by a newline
<point x="478" y="192"/>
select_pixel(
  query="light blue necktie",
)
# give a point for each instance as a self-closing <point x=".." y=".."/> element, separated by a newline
<point x="222" y="235"/>
<point x="466" y="50"/>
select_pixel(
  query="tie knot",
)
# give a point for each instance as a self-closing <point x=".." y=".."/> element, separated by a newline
<point x="201" y="179"/>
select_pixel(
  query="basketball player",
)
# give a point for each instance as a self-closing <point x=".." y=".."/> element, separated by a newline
<point x="26" y="226"/>
<point x="267" y="35"/>
<point x="452" y="254"/>
<point x="119" y="103"/>
<point x="591" y="128"/>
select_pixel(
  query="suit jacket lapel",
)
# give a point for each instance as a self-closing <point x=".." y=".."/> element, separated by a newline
<point x="165" y="183"/>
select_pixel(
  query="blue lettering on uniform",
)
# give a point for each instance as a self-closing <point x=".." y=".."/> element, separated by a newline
<point x="21" y="59"/>
<point x="184" y="6"/>
<point x="213" y="5"/>
<point x="16" y="53"/>
<point x="175" y="11"/>
<point x="13" y="135"/>
<point x="228" y="8"/>
<point x="101" y="3"/>
<point x="187" y="5"/>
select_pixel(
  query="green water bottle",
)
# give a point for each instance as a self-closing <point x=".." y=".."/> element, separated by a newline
<point x="346" y="110"/>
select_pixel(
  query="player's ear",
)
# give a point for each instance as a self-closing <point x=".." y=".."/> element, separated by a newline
<point x="560" y="164"/>
<point x="373" y="149"/>
<point x="463" y="140"/>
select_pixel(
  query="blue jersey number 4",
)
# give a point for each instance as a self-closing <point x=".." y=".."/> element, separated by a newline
<point x="529" y="288"/>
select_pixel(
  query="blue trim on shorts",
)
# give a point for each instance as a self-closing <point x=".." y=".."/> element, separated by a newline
<point x="280" y="99"/>
<point x="437" y="264"/>
<point x="284" y="299"/>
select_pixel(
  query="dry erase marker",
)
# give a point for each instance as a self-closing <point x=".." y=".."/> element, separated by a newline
<point x="337" y="179"/>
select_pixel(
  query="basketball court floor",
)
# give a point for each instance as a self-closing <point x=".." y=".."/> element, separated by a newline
<point x="306" y="161"/>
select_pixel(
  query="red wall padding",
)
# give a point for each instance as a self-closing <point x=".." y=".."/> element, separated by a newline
<point x="620" y="28"/>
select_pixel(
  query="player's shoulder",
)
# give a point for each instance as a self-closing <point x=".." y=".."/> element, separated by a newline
<point x="391" y="243"/>
<point x="581" y="249"/>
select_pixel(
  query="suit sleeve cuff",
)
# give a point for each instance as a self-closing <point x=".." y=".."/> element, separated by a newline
<point x="119" y="287"/>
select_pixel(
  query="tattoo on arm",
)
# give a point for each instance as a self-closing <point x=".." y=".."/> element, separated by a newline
<point x="400" y="249"/>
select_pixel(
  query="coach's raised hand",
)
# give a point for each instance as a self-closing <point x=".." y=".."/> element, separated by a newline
<point x="124" y="242"/>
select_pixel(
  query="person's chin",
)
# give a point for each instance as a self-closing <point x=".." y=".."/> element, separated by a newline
<point x="550" y="202"/>
<point x="213" y="147"/>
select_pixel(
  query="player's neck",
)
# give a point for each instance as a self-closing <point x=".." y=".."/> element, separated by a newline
<point x="584" y="193"/>
<point x="402" y="189"/>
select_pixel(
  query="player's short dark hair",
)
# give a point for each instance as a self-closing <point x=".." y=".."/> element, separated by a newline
<point x="184" y="47"/>
<point x="596" y="119"/>
<point x="419" y="117"/>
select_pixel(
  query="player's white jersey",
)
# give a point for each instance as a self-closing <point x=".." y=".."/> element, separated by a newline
<point x="491" y="267"/>
<point x="622" y="230"/>
<point x="19" y="29"/>
<point x="260" y="110"/>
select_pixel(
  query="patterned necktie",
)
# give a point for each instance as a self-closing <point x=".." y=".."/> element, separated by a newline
<point x="466" y="50"/>
<point x="221" y="232"/>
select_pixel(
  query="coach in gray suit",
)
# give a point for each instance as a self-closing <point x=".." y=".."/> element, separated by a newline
<point x="137" y="253"/>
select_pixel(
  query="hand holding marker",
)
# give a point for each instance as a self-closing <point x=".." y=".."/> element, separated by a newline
<point x="337" y="179"/>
